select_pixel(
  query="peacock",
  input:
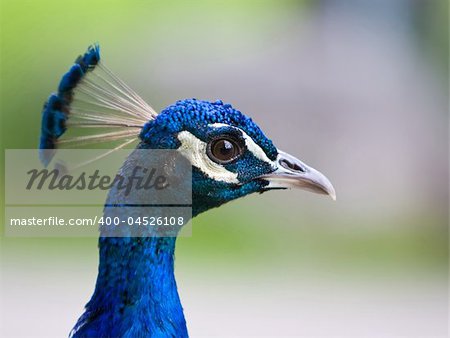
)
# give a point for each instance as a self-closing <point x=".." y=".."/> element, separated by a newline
<point x="136" y="293"/>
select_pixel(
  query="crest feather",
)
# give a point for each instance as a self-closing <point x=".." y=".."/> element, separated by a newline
<point x="95" y="104"/>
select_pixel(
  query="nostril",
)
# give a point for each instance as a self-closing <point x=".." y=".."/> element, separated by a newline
<point x="291" y="165"/>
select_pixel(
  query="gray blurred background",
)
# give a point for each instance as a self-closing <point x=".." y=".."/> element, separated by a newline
<point x="356" y="88"/>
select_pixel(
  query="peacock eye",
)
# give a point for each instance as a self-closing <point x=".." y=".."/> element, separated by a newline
<point x="223" y="150"/>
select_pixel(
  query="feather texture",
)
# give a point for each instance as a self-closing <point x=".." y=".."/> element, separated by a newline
<point x="92" y="105"/>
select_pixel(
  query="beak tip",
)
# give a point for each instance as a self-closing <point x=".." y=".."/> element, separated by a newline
<point x="324" y="185"/>
<point x="333" y="196"/>
<point x="328" y="189"/>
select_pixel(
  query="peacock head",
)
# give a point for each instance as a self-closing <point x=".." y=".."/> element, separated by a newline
<point x="230" y="155"/>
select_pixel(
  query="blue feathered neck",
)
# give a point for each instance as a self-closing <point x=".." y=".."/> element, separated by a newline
<point x="136" y="293"/>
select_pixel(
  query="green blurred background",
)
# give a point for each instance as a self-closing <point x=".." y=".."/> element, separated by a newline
<point x="356" y="88"/>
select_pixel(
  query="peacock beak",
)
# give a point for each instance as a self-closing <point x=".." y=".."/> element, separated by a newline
<point x="293" y="173"/>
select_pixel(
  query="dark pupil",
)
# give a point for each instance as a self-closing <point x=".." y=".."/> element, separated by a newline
<point x="224" y="150"/>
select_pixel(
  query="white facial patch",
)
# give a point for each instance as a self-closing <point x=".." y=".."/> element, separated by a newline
<point x="194" y="149"/>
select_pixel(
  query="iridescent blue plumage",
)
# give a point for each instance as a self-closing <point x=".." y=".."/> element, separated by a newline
<point x="136" y="293"/>
<point x="196" y="116"/>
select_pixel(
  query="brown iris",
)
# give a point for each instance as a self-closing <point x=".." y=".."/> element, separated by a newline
<point x="223" y="150"/>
